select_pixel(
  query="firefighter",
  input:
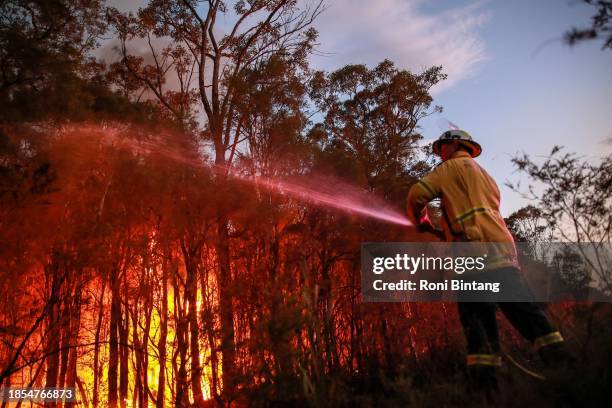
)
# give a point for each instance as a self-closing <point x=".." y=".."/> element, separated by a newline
<point x="470" y="206"/>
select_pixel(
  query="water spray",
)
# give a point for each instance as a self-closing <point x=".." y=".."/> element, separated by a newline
<point x="332" y="193"/>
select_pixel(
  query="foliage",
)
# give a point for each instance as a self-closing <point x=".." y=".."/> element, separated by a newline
<point x="43" y="50"/>
<point x="601" y="25"/>
<point x="574" y="199"/>
<point x="527" y="225"/>
<point x="576" y="195"/>
<point x="370" y="119"/>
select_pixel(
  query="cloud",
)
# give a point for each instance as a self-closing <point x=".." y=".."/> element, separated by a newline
<point x="365" y="31"/>
<point x="607" y="141"/>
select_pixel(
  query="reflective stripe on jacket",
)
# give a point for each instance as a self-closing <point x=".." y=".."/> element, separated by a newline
<point x="470" y="200"/>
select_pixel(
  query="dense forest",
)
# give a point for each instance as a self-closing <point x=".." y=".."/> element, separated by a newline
<point x="144" y="263"/>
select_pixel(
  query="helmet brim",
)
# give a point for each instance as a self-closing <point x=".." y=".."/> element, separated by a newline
<point x="474" y="147"/>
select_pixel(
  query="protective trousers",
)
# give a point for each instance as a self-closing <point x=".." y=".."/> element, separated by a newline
<point x="480" y="327"/>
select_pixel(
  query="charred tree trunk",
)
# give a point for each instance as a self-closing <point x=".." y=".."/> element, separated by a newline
<point x="226" y="306"/>
<point x="7" y="383"/>
<point x="124" y="325"/>
<point x="280" y="347"/>
<point x="222" y="248"/>
<point x="208" y="325"/>
<point x="137" y="397"/>
<point x="113" y="360"/>
<point x="75" y="325"/>
<point x="191" y="288"/>
<point x="145" y="354"/>
<point x="161" y="380"/>
<point x="96" y="367"/>
<point x="53" y="326"/>
<point x="65" y="322"/>
<point x="182" y="396"/>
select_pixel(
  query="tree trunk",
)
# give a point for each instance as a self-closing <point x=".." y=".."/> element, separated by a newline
<point x="161" y="380"/>
<point x="6" y="383"/>
<point x="65" y="323"/>
<point x="226" y="306"/>
<point x="124" y="325"/>
<point x="53" y="331"/>
<point x="113" y="359"/>
<point x="191" y="289"/>
<point x="209" y="329"/>
<point x="145" y="354"/>
<point x="137" y="397"/>
<point x="75" y="323"/>
<point x="96" y="367"/>
<point x="222" y="248"/>
<point x="182" y="397"/>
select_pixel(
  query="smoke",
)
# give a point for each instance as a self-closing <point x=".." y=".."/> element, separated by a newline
<point x="320" y="190"/>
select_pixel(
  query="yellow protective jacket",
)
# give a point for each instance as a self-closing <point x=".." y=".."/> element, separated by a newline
<point x="470" y="205"/>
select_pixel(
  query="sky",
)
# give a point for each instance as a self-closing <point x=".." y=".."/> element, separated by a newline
<point x="512" y="82"/>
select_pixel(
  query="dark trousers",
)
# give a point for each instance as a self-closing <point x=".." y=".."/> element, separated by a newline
<point x="480" y="323"/>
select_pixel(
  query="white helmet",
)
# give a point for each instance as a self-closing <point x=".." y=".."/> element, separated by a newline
<point x="460" y="136"/>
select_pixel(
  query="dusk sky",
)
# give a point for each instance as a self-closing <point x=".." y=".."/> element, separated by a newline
<point x="513" y="84"/>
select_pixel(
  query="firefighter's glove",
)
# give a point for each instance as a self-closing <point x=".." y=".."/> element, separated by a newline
<point x="428" y="227"/>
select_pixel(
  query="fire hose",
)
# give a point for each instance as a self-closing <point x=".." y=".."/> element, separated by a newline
<point x="523" y="368"/>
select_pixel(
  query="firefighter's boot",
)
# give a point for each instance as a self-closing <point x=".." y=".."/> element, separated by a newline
<point x="556" y="357"/>
<point x="482" y="380"/>
<point x="482" y="373"/>
<point x="553" y="352"/>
